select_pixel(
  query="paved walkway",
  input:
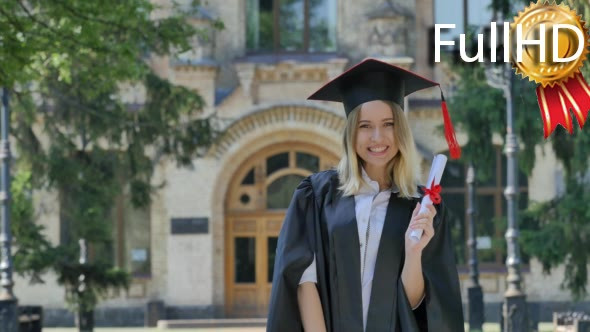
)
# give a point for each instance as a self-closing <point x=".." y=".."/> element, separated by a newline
<point x="139" y="329"/>
<point x="488" y="327"/>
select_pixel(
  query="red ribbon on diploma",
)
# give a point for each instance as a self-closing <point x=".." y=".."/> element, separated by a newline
<point x="434" y="192"/>
<point x="555" y="103"/>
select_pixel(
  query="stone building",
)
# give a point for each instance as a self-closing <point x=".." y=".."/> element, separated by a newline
<point x="209" y="248"/>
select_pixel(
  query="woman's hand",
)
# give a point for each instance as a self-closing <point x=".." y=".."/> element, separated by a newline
<point x="412" y="277"/>
<point x="424" y="222"/>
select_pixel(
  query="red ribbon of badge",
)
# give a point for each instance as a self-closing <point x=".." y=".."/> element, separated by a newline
<point x="434" y="192"/>
<point x="555" y="103"/>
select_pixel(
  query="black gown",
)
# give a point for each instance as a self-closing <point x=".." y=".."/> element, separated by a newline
<point x="320" y="220"/>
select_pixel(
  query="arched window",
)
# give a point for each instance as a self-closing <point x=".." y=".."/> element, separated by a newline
<point x="491" y="211"/>
<point x="280" y="191"/>
<point x="268" y="181"/>
<point x="291" y="25"/>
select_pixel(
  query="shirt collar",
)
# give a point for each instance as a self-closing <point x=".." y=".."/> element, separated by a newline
<point x="372" y="187"/>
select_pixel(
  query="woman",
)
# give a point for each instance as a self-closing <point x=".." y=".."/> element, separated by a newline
<point x="345" y="261"/>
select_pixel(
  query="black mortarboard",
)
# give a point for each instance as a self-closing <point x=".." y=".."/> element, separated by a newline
<point x="371" y="80"/>
<point x="376" y="80"/>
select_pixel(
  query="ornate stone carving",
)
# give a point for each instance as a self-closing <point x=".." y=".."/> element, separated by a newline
<point x="290" y="71"/>
<point x="258" y="74"/>
<point x="202" y="44"/>
<point x="245" y="72"/>
<point x="389" y="30"/>
<point x="335" y="68"/>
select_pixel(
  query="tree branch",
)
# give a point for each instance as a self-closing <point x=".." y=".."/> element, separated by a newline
<point x="57" y="33"/>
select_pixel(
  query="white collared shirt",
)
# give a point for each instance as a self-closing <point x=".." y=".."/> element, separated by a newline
<point x="370" y="206"/>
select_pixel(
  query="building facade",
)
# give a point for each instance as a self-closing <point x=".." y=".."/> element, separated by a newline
<point x="205" y="247"/>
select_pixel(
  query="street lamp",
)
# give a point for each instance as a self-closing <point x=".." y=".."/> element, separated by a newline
<point x="85" y="317"/>
<point x="8" y="302"/>
<point x="474" y="292"/>
<point x="514" y="308"/>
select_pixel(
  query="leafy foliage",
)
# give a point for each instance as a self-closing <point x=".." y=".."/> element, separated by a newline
<point x="557" y="232"/>
<point x="83" y="293"/>
<point x="32" y="252"/>
<point x="66" y="62"/>
<point x="480" y="111"/>
<point x="108" y="38"/>
<point x="479" y="117"/>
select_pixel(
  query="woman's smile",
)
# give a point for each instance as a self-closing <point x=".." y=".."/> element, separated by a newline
<point x="377" y="151"/>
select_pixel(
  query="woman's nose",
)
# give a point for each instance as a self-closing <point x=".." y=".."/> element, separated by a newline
<point x="376" y="134"/>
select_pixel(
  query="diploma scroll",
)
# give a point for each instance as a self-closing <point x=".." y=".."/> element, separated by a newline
<point x="436" y="171"/>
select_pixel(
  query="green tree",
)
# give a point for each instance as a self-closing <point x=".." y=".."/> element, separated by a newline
<point x="557" y="231"/>
<point x="554" y="232"/>
<point x="479" y="111"/>
<point x="32" y="251"/>
<point x="64" y="62"/>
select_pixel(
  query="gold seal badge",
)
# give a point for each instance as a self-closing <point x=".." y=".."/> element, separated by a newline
<point x="548" y="73"/>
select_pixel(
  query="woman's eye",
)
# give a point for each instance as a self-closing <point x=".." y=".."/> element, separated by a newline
<point x="389" y="124"/>
<point x="364" y="126"/>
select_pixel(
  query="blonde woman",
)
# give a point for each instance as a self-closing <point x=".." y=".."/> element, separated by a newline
<point x="345" y="260"/>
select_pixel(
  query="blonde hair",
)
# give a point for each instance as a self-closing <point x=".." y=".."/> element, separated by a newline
<point x="403" y="169"/>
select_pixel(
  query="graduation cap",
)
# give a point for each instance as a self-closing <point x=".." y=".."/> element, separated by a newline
<point x="376" y="80"/>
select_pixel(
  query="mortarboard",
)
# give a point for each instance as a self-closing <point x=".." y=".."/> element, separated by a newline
<point x="376" y="80"/>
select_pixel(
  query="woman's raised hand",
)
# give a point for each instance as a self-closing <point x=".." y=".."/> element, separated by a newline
<point x="421" y="221"/>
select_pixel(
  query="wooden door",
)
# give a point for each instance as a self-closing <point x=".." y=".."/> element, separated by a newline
<point x="251" y="245"/>
<point x="255" y="207"/>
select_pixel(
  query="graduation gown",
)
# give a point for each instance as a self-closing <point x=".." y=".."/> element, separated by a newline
<point x="320" y="220"/>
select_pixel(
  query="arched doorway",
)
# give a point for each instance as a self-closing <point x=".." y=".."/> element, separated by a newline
<point x="256" y="202"/>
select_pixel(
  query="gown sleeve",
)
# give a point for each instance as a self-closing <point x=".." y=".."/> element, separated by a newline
<point x="443" y="307"/>
<point x="294" y="254"/>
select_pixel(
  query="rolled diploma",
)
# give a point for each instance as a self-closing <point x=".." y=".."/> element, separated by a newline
<point x="436" y="171"/>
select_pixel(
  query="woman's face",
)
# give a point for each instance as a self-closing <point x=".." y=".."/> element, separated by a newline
<point x="375" y="143"/>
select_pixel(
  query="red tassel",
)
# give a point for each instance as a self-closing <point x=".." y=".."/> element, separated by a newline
<point x="454" y="148"/>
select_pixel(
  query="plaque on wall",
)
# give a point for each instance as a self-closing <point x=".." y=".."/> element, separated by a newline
<point x="139" y="255"/>
<point x="189" y="226"/>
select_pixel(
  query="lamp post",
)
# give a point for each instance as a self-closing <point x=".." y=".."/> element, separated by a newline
<point x="514" y="308"/>
<point x="8" y="302"/>
<point x="85" y="317"/>
<point x="474" y="292"/>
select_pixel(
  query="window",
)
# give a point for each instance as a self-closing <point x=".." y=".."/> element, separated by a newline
<point x="269" y="179"/>
<point x="280" y="192"/>
<point x="308" y="161"/>
<point x="133" y="238"/>
<point x="249" y="178"/>
<point x="245" y="259"/>
<point x="123" y="240"/>
<point x="276" y="162"/>
<point x="491" y="211"/>
<point x="291" y="25"/>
